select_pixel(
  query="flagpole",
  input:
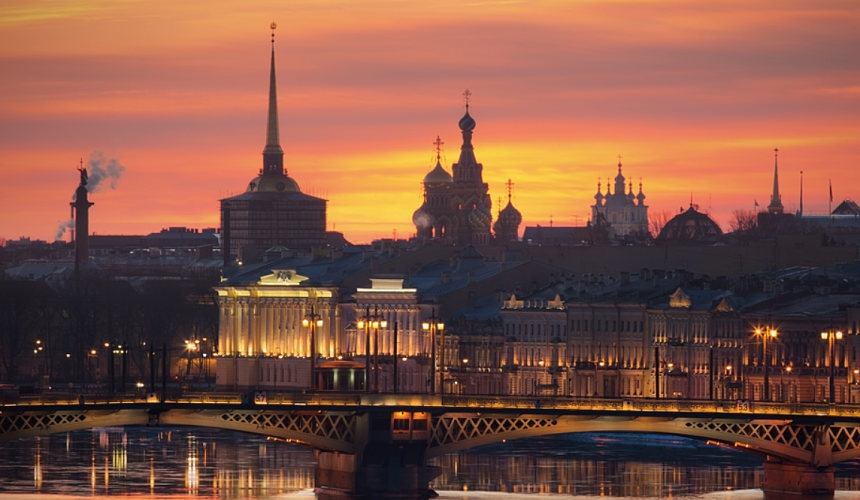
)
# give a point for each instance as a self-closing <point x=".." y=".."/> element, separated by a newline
<point x="830" y="205"/>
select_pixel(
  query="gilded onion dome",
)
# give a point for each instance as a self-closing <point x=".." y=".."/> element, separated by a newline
<point x="599" y="196"/>
<point x="438" y="175"/>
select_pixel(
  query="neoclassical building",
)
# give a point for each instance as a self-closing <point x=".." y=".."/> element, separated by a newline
<point x="626" y="213"/>
<point x="456" y="209"/>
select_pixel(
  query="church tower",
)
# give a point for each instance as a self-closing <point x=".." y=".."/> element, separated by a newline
<point x="775" y="206"/>
<point x="507" y="226"/>
<point x="272" y="211"/>
<point x="456" y="209"/>
<point x="625" y="212"/>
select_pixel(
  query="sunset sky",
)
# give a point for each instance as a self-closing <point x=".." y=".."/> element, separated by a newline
<point x="694" y="95"/>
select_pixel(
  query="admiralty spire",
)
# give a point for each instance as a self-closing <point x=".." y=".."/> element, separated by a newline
<point x="272" y="212"/>
<point x="775" y="206"/>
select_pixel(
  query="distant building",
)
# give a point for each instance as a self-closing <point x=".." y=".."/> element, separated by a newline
<point x="690" y="227"/>
<point x="273" y="210"/>
<point x="626" y="213"/>
<point x="456" y="209"/>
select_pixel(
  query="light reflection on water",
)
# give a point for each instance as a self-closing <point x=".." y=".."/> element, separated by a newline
<point x="194" y="462"/>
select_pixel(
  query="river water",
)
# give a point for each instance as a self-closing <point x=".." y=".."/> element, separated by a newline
<point x="178" y="463"/>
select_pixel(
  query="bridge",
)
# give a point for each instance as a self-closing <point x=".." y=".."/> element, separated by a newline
<point x="378" y="444"/>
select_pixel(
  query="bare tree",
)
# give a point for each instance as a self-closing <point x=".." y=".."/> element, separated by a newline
<point x="657" y="221"/>
<point x="743" y="221"/>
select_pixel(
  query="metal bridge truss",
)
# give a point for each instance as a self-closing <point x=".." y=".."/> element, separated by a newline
<point x="820" y="444"/>
<point x="322" y="430"/>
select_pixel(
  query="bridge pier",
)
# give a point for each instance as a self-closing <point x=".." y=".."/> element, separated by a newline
<point x="390" y="460"/>
<point x="387" y="471"/>
<point x="783" y="481"/>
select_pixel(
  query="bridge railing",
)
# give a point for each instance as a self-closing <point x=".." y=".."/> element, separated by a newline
<point x="650" y="405"/>
<point x="454" y="402"/>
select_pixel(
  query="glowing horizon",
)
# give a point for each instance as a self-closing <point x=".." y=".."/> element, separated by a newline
<point x="693" y="95"/>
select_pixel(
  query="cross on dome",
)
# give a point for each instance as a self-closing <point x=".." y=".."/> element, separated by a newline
<point x="467" y="95"/>
<point x="438" y="143"/>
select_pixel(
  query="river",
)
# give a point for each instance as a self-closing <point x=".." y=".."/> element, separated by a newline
<point x="177" y="463"/>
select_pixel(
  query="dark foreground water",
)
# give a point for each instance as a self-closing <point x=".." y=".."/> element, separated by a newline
<point x="191" y="462"/>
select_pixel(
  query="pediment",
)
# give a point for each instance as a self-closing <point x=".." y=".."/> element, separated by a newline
<point x="680" y="299"/>
<point x="724" y="306"/>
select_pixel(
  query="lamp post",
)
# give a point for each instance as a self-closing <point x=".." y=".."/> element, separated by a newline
<point x="312" y="321"/>
<point x="432" y="325"/>
<point x="367" y="322"/>
<point x="765" y="333"/>
<point x="830" y="336"/>
<point x="728" y="380"/>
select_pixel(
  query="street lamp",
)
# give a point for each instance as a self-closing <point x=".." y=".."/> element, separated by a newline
<point x="830" y="336"/>
<point x="765" y="333"/>
<point x="432" y="325"/>
<point x="367" y="322"/>
<point x="313" y="321"/>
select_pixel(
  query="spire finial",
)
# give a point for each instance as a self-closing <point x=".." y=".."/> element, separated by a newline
<point x="499" y="207"/>
<point x="510" y="189"/>
<point x="619" y="162"/>
<point x="273" y="26"/>
<point x="468" y="97"/>
<point x="438" y="143"/>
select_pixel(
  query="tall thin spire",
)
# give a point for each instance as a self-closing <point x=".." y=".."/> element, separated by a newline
<point x="775" y="206"/>
<point x="273" y="155"/>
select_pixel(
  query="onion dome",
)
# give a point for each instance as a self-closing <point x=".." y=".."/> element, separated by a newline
<point x="422" y="219"/>
<point x="273" y="183"/>
<point x="480" y="217"/>
<point x="641" y="196"/>
<point x="599" y="196"/>
<point x="438" y="175"/>
<point x="690" y="227"/>
<point x="467" y="123"/>
<point x="510" y="217"/>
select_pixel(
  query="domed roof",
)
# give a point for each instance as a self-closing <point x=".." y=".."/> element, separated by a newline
<point x="688" y="227"/>
<point x="273" y="183"/>
<point x="510" y="216"/>
<point x="438" y="175"/>
<point x="467" y="123"/>
<point x="480" y="217"/>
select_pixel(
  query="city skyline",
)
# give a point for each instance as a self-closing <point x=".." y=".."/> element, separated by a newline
<point x="693" y="96"/>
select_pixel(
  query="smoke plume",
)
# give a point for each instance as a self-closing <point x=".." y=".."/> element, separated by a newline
<point x="101" y="171"/>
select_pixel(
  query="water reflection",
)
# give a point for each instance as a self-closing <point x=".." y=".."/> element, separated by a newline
<point x="191" y="462"/>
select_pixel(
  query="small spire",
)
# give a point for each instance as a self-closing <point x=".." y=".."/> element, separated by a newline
<point x="468" y="97"/>
<point x="510" y="188"/>
<point x="775" y="206"/>
<point x="619" y="163"/>
<point x="499" y="207"/>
